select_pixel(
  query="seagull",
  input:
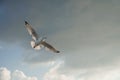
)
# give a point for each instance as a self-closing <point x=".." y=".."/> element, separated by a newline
<point x="37" y="45"/>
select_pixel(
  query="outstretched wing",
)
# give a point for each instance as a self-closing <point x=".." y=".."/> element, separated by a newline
<point x="49" y="47"/>
<point x="31" y="31"/>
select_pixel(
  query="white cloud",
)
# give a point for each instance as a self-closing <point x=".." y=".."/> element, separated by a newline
<point x="53" y="74"/>
<point x="101" y="74"/>
<point x="58" y="72"/>
<point x="19" y="75"/>
<point x="5" y="74"/>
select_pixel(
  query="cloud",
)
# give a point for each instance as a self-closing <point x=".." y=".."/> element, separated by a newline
<point x="58" y="72"/>
<point x="88" y="35"/>
<point x="53" y="73"/>
<point x="39" y="57"/>
<point x="92" y="39"/>
<point x="102" y="73"/>
<point x="5" y="74"/>
<point x="85" y="31"/>
<point x="19" y="75"/>
<point x="62" y="23"/>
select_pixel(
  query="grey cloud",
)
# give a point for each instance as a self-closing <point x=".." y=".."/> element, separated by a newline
<point x="91" y="36"/>
<point x="49" y="29"/>
<point x="93" y="41"/>
<point x="86" y="31"/>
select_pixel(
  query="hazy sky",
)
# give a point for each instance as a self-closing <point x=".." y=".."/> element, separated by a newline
<point x="87" y="33"/>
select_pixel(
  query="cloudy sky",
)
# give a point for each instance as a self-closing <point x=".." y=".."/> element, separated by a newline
<point x="87" y="33"/>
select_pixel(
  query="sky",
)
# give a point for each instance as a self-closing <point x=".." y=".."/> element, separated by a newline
<point x="86" y="32"/>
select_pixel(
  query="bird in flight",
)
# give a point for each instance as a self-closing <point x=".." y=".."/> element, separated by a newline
<point x="35" y="43"/>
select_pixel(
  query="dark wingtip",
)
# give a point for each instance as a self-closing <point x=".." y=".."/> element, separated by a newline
<point x="26" y="22"/>
<point x="57" y="51"/>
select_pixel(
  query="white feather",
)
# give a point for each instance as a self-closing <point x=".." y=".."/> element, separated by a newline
<point x="37" y="48"/>
<point x="33" y="44"/>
